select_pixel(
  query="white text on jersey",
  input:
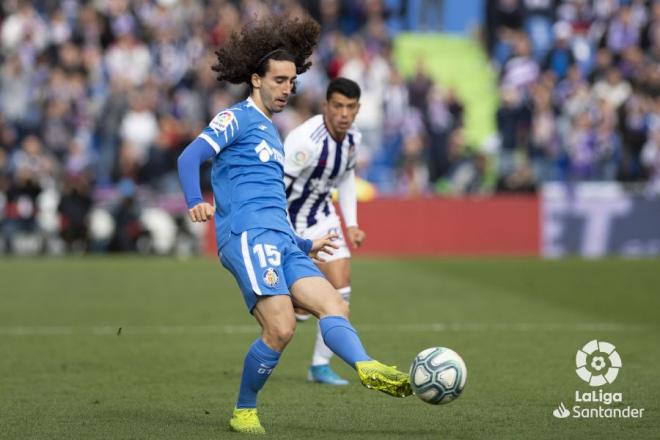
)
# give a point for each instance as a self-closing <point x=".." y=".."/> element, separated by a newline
<point x="265" y="152"/>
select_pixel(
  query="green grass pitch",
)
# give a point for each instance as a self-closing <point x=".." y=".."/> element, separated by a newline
<point x="172" y="372"/>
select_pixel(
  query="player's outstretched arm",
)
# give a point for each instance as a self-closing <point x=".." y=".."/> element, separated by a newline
<point x="348" y="204"/>
<point x="188" y="165"/>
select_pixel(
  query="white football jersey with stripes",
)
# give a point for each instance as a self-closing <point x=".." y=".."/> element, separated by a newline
<point x="314" y="164"/>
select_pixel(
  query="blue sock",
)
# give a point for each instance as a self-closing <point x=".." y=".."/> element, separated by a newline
<point x="259" y="363"/>
<point x="340" y="336"/>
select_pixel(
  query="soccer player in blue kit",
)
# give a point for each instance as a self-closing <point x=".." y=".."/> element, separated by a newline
<point x="256" y="242"/>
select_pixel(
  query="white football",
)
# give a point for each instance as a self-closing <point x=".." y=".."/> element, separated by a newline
<point x="437" y="375"/>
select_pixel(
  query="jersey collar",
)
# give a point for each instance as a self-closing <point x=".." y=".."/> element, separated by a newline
<point x="252" y="104"/>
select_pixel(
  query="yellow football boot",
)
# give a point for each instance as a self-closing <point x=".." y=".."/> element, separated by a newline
<point x="245" y="420"/>
<point x="389" y="380"/>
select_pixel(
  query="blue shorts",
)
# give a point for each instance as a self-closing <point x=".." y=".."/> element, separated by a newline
<point x="265" y="262"/>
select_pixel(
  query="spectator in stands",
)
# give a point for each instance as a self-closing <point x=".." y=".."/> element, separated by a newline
<point x="623" y="31"/>
<point x="560" y="56"/>
<point x="504" y="18"/>
<point x="521" y="70"/>
<point x="16" y="98"/>
<point x="633" y="126"/>
<point x="538" y="21"/>
<point x="411" y="176"/>
<point x="544" y="135"/>
<point x="128" y="59"/>
<point x="32" y="163"/>
<point x="158" y="168"/>
<point x="466" y="171"/>
<point x="24" y="32"/>
<point x="608" y="142"/>
<point x="419" y="86"/>
<point x="126" y="215"/>
<point x="520" y="180"/>
<point x="651" y="159"/>
<point x="20" y="208"/>
<point x="139" y="127"/>
<point x="604" y="62"/>
<point x="444" y="114"/>
<point x="613" y="89"/>
<point x="73" y="209"/>
<point x="513" y="122"/>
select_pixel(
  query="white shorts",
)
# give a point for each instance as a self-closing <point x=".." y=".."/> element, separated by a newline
<point x="325" y="226"/>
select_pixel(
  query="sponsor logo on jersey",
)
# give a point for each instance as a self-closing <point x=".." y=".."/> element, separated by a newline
<point x="270" y="277"/>
<point x="265" y="152"/>
<point x="222" y="121"/>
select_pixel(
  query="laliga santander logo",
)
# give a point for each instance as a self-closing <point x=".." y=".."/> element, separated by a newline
<point x="597" y="363"/>
<point x="561" y="412"/>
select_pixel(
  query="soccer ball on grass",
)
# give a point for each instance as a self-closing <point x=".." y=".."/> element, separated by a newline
<point x="437" y="375"/>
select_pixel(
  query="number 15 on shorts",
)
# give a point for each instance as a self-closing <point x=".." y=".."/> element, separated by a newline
<point x="268" y="255"/>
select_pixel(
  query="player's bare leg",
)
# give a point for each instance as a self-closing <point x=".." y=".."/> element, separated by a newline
<point x="338" y="272"/>
<point x="318" y="296"/>
<point x="278" y="323"/>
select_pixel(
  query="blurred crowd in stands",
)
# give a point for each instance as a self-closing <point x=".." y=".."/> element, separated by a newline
<point x="579" y="90"/>
<point x="98" y="98"/>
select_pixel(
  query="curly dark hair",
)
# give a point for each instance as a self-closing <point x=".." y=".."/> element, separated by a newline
<point x="277" y="37"/>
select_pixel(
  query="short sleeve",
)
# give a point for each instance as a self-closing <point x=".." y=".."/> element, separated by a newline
<point x="224" y="129"/>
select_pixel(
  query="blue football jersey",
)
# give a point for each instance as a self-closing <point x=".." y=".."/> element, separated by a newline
<point x="247" y="173"/>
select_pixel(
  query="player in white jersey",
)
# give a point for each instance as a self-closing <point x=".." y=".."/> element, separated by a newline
<point x="319" y="156"/>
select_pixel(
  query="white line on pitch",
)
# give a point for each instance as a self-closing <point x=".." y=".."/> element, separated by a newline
<point x="128" y="330"/>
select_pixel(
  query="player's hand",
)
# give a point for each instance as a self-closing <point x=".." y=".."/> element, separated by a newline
<point x="324" y="244"/>
<point x="356" y="236"/>
<point x="201" y="212"/>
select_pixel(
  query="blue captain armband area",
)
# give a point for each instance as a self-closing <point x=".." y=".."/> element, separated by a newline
<point x="196" y="153"/>
<point x="304" y="244"/>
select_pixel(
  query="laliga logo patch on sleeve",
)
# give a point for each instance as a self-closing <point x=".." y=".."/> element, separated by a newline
<point x="300" y="158"/>
<point x="222" y="121"/>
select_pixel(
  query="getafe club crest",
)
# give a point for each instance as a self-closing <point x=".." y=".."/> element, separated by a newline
<point x="270" y="277"/>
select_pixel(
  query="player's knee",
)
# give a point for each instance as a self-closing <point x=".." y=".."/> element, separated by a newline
<point x="279" y="336"/>
<point x="339" y="307"/>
